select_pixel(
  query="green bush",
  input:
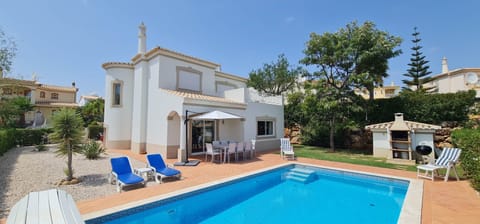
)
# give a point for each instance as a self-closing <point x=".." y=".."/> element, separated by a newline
<point x="94" y="131"/>
<point x="92" y="149"/>
<point x="41" y="147"/>
<point x="426" y="108"/>
<point x="27" y="137"/>
<point x="467" y="140"/>
<point x="7" y="140"/>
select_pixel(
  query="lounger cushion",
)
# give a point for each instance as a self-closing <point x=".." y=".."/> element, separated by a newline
<point x="156" y="161"/>
<point x="168" y="172"/>
<point x="129" y="178"/>
<point x="121" y="165"/>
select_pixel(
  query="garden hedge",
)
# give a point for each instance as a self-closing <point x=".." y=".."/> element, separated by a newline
<point x="468" y="140"/>
<point x="94" y="131"/>
<point x="7" y="140"/>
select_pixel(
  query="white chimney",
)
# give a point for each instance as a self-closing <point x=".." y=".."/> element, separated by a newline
<point x="444" y="65"/>
<point x="399" y="124"/>
<point x="142" y="39"/>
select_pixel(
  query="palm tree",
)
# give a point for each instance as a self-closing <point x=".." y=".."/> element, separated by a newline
<point x="68" y="132"/>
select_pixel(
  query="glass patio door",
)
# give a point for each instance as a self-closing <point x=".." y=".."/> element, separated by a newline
<point x="203" y="132"/>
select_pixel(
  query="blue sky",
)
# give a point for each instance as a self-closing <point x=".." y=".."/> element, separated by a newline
<point x="64" y="41"/>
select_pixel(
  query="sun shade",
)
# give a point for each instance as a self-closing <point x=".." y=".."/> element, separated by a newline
<point x="215" y="115"/>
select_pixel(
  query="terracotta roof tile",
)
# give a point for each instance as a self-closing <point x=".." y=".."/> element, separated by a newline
<point x="410" y="124"/>
<point x="58" y="88"/>
<point x="198" y="96"/>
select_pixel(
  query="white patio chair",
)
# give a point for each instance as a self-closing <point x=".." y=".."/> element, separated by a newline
<point x="240" y="150"/>
<point x="286" y="149"/>
<point x="231" y="150"/>
<point x="216" y="144"/>
<point x="211" y="152"/>
<point x="248" y="149"/>
<point x="448" y="159"/>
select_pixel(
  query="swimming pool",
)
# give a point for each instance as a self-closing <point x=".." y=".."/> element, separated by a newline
<point x="289" y="194"/>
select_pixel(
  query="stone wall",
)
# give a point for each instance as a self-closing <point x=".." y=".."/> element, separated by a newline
<point x="293" y="134"/>
<point x="362" y="139"/>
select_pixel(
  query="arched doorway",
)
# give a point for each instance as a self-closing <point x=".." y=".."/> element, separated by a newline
<point x="173" y="134"/>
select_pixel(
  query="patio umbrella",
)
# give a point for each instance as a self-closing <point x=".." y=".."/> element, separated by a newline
<point x="215" y="115"/>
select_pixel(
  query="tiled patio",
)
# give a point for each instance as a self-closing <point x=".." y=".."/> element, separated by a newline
<point x="443" y="202"/>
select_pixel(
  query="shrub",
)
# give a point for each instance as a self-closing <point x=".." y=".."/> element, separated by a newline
<point x="467" y="140"/>
<point x="27" y="137"/>
<point x="92" y="149"/>
<point x="41" y="147"/>
<point x="7" y="140"/>
<point x="426" y="108"/>
<point x="94" y="131"/>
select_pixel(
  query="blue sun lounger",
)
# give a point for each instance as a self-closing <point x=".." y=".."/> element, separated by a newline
<point x="161" y="170"/>
<point x="123" y="174"/>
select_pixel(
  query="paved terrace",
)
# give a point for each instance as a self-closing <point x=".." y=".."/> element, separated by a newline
<point x="443" y="202"/>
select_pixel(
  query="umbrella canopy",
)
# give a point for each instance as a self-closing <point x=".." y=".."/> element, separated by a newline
<point x="215" y="115"/>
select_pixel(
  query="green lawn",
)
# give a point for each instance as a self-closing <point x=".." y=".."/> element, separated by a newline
<point x="354" y="157"/>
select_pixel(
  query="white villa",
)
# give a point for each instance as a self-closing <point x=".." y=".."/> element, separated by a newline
<point x="147" y="98"/>
<point x="452" y="81"/>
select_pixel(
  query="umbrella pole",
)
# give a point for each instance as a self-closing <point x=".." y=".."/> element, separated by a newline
<point x="187" y="162"/>
<point x="186" y="136"/>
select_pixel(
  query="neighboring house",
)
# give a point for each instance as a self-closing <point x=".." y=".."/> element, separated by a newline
<point x="85" y="99"/>
<point x="146" y="101"/>
<point x="452" y="81"/>
<point x="383" y="92"/>
<point x="46" y="98"/>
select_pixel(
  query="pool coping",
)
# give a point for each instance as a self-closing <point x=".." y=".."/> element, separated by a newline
<point x="410" y="212"/>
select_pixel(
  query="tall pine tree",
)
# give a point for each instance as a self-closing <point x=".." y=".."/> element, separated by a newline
<point x="418" y="71"/>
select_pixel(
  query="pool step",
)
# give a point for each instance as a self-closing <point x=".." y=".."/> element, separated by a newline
<point x="301" y="175"/>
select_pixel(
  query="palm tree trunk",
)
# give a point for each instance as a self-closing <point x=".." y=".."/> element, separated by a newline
<point x="69" y="163"/>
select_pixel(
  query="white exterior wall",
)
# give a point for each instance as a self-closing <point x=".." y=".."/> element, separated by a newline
<point x="152" y="119"/>
<point x="260" y="107"/>
<point x="118" y="120"/>
<point x="168" y="73"/>
<point x="140" y="98"/>
<point x="424" y="138"/>
<point x="222" y="83"/>
<point x="237" y="95"/>
<point x="259" y="110"/>
<point x="381" y="145"/>
<point x="451" y="84"/>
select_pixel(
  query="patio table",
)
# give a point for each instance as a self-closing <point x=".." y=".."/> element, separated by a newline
<point x="223" y="151"/>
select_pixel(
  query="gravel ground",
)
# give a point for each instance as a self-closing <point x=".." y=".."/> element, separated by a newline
<point x="23" y="170"/>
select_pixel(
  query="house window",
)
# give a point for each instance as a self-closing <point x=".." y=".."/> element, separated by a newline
<point x="189" y="79"/>
<point x="7" y="91"/>
<point x="42" y="94"/>
<point x="117" y="94"/>
<point x="265" y="128"/>
<point x="54" y="96"/>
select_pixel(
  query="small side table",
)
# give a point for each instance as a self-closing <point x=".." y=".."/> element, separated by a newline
<point x="145" y="172"/>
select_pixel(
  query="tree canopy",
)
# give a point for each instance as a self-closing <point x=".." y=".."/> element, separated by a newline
<point x="92" y="111"/>
<point x="353" y="57"/>
<point x="418" y="71"/>
<point x="12" y="111"/>
<point x="8" y="50"/>
<point x="274" y="78"/>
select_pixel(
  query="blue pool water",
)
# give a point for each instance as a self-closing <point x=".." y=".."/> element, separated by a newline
<point x="332" y="197"/>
